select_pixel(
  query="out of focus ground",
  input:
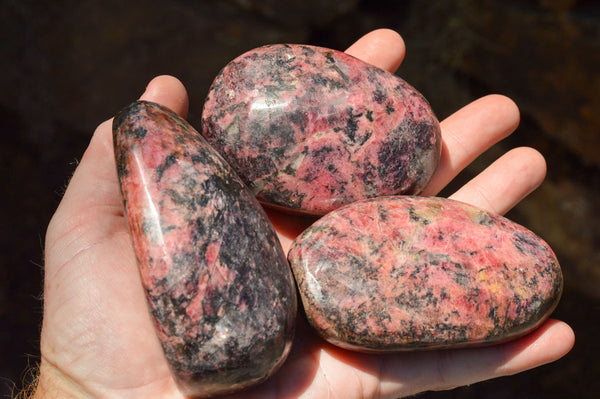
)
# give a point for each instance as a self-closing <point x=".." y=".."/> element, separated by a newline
<point x="68" y="65"/>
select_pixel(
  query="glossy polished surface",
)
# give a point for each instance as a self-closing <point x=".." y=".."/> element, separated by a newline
<point x="406" y="273"/>
<point x="311" y="129"/>
<point x="219" y="287"/>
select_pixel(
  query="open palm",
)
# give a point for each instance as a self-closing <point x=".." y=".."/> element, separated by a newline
<point x="98" y="339"/>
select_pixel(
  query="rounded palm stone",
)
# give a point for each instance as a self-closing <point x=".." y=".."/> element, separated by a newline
<point x="310" y="129"/>
<point x="218" y="285"/>
<point x="406" y="273"/>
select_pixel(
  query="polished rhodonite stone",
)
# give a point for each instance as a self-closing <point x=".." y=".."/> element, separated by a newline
<point x="217" y="281"/>
<point x="405" y="273"/>
<point x="310" y="129"/>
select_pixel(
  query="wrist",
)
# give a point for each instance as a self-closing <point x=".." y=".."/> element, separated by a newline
<point x="52" y="383"/>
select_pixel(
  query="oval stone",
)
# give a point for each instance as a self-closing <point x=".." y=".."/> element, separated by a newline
<point x="406" y="273"/>
<point x="310" y="129"/>
<point x="219" y="287"/>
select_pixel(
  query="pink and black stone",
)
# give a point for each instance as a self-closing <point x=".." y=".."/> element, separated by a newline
<point x="310" y="129"/>
<point x="408" y="273"/>
<point x="218" y="284"/>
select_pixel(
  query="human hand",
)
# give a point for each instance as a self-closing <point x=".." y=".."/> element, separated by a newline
<point x="98" y="339"/>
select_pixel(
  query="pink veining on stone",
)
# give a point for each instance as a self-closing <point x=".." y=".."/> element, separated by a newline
<point x="218" y="285"/>
<point x="311" y="129"/>
<point x="406" y="273"/>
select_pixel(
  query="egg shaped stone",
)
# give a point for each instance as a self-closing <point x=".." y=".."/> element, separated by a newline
<point x="218" y="284"/>
<point x="406" y="273"/>
<point x="310" y="129"/>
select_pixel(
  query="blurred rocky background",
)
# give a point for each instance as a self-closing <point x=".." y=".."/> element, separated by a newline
<point x="68" y="65"/>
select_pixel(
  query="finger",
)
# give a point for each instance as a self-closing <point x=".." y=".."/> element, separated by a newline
<point x="409" y="373"/>
<point x="551" y="342"/>
<point x="383" y="48"/>
<point x="505" y="182"/>
<point x="438" y="370"/>
<point x="168" y="91"/>
<point x="469" y="132"/>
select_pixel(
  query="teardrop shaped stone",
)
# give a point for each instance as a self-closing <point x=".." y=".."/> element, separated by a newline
<point x="405" y="273"/>
<point x="310" y="129"/>
<point x="217" y="281"/>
